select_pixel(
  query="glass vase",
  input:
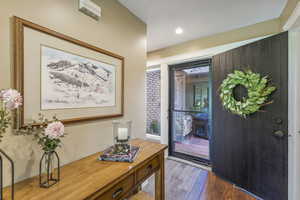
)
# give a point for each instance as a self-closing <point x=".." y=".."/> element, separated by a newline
<point x="122" y="135"/>
<point x="49" y="169"/>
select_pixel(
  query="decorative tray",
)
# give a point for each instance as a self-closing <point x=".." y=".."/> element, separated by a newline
<point x="110" y="155"/>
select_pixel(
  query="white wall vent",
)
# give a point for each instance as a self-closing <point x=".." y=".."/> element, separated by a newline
<point x="90" y="8"/>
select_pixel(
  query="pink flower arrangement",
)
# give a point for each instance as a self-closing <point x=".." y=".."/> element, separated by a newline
<point x="48" y="133"/>
<point x="55" y="130"/>
<point x="12" y="99"/>
<point x="9" y="99"/>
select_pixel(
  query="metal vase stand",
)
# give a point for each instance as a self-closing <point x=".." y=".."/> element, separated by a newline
<point x="3" y="154"/>
<point x="51" y="176"/>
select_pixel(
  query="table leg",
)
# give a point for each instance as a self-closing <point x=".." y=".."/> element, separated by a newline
<point x="160" y="180"/>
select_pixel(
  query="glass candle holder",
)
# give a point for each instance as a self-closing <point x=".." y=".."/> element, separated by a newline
<point x="122" y="135"/>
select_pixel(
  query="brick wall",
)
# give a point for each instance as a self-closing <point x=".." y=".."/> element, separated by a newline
<point x="153" y="101"/>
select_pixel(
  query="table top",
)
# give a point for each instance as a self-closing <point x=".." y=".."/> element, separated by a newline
<point x="82" y="178"/>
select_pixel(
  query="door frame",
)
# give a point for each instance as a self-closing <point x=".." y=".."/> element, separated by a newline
<point x="171" y="69"/>
<point x="294" y="116"/>
<point x="293" y="26"/>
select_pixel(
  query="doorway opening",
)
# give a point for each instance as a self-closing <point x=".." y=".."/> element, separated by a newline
<point x="190" y="111"/>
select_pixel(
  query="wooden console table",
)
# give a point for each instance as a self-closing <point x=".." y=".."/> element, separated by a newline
<point x="92" y="179"/>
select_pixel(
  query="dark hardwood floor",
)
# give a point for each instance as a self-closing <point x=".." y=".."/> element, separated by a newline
<point x="185" y="182"/>
<point x="218" y="189"/>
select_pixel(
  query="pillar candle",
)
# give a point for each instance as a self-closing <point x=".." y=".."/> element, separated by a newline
<point x="122" y="133"/>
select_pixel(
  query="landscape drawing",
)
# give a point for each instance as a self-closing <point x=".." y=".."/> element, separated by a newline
<point x="72" y="81"/>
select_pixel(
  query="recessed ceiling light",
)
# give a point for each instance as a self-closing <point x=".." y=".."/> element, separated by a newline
<point x="178" y="30"/>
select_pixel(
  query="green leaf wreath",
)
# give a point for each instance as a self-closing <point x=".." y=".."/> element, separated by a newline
<point x="257" y="88"/>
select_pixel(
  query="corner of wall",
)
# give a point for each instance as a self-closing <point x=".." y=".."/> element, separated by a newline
<point x="287" y="12"/>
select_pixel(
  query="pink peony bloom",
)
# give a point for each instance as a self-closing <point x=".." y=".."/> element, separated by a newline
<point x="55" y="130"/>
<point x="11" y="98"/>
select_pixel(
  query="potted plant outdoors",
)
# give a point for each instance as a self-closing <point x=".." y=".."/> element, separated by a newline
<point x="154" y="127"/>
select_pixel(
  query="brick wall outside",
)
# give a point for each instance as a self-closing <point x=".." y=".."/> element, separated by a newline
<point x="153" y="101"/>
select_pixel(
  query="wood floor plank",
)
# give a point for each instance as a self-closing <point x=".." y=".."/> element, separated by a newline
<point x="185" y="182"/>
<point x="198" y="187"/>
<point x="216" y="188"/>
<point x="142" y="196"/>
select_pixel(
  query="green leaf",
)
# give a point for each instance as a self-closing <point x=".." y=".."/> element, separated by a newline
<point x="257" y="92"/>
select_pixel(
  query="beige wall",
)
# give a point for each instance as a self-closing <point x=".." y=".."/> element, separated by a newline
<point x="117" y="31"/>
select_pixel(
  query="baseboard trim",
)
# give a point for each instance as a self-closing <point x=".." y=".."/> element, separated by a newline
<point x="204" y="167"/>
<point x="237" y="187"/>
<point x="247" y="192"/>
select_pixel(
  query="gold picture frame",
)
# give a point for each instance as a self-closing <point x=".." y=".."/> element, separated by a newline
<point x="19" y="69"/>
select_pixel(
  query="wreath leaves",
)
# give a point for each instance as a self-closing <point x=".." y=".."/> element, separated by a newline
<point x="258" y="92"/>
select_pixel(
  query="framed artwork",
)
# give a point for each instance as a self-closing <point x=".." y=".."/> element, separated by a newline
<point x="72" y="81"/>
<point x="62" y="76"/>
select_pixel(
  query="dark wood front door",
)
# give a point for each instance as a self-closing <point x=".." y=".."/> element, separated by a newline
<point x="246" y="152"/>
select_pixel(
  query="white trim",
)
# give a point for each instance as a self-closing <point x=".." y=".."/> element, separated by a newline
<point x="190" y="163"/>
<point x="164" y="104"/>
<point x="247" y="192"/>
<point x="293" y="19"/>
<point x="190" y="59"/>
<point x="153" y="69"/>
<point x="294" y="116"/>
<point x="293" y="26"/>
<point x="153" y="137"/>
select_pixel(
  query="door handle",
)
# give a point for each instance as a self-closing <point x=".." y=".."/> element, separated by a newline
<point x="278" y="120"/>
<point x="279" y="133"/>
